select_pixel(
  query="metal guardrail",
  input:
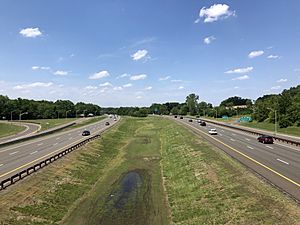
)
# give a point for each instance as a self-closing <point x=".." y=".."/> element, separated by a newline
<point x="35" y="135"/>
<point x="279" y="139"/>
<point x="30" y="170"/>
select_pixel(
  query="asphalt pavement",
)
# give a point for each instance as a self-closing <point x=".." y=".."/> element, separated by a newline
<point x="277" y="163"/>
<point x="17" y="157"/>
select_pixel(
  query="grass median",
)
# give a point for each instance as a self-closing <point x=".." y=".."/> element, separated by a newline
<point x="146" y="171"/>
<point x="7" y="129"/>
<point x="50" y="123"/>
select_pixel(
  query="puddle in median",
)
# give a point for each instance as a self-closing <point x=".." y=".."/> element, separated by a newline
<point x="128" y="202"/>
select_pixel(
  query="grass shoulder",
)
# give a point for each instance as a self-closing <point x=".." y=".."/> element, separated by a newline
<point x="7" y="129"/>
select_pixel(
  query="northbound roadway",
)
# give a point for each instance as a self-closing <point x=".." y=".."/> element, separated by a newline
<point x="278" y="163"/>
<point x="15" y="158"/>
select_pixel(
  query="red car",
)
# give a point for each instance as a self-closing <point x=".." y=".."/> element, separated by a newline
<point x="265" y="139"/>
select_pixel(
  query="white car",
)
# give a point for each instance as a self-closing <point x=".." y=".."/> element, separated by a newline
<point x="213" y="131"/>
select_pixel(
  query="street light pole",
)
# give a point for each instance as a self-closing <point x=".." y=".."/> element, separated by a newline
<point x="67" y="113"/>
<point x="20" y="116"/>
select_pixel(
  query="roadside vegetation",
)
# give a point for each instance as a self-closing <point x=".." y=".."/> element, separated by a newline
<point x="148" y="171"/>
<point x="50" y="123"/>
<point x="7" y="129"/>
<point x="291" y="130"/>
<point x="88" y="121"/>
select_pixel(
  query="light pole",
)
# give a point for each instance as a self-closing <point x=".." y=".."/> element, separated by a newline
<point x="76" y="113"/>
<point x="20" y="116"/>
<point x="275" y="121"/>
<point x="67" y="113"/>
<point x="84" y="112"/>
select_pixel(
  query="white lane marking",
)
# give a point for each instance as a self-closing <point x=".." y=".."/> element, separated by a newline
<point x="280" y="160"/>
<point x="298" y="150"/>
<point x="40" y="144"/>
<point x="55" y="144"/>
<point x="1" y="165"/>
<point x="58" y="138"/>
<point x="13" y="153"/>
<point x="221" y="135"/>
<point x="247" y="139"/>
<point x="232" y="139"/>
<point x="33" y="152"/>
<point x="249" y="147"/>
<point x="269" y="147"/>
<point x="233" y="134"/>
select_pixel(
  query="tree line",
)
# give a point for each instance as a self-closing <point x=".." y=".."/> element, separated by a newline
<point x="285" y="105"/>
<point x="31" y="109"/>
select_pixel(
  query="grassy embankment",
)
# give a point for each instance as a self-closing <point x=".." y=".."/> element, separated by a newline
<point x="292" y="130"/>
<point x="50" y="123"/>
<point x="118" y="180"/>
<point x="7" y="129"/>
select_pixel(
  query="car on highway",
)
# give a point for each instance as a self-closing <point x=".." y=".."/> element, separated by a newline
<point x="265" y="139"/>
<point x="181" y="117"/>
<point x="213" y="131"/>
<point x="175" y="116"/>
<point x="199" y="121"/>
<point x="190" y="120"/>
<point x="86" y="133"/>
<point x="107" y="123"/>
<point x="202" y="123"/>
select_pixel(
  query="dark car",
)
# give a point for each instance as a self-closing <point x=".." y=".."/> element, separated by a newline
<point x="175" y="116"/>
<point x="190" y="120"/>
<point x="106" y="123"/>
<point x="181" y="117"/>
<point x="202" y="123"/>
<point x="86" y="133"/>
<point x="265" y="139"/>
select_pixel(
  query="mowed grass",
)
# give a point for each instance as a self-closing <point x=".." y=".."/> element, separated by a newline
<point x="50" y="123"/>
<point x="292" y="130"/>
<point x="7" y="129"/>
<point x="88" y="121"/>
<point x="188" y="182"/>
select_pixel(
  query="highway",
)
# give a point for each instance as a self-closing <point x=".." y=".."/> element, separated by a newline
<point x="15" y="158"/>
<point x="30" y="128"/>
<point x="277" y="163"/>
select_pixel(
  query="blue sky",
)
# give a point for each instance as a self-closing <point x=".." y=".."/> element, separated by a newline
<point x="136" y="52"/>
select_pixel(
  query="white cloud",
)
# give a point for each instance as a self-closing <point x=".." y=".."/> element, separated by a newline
<point x="32" y="85"/>
<point x="273" y="57"/>
<point x="127" y="85"/>
<point x="91" y="87"/>
<point x="118" y="88"/>
<point x="236" y="87"/>
<point x="106" y="84"/>
<point x="215" y="12"/>
<point x="138" y="77"/>
<point x="40" y="68"/>
<point x="209" y="39"/>
<point x="244" y="77"/>
<point x="139" y="54"/>
<point x="254" y="54"/>
<point x="164" y="78"/>
<point x="282" y="80"/>
<point x="148" y="88"/>
<point x="123" y="76"/>
<point x="240" y="70"/>
<point x="275" y="87"/>
<point x="138" y="97"/>
<point x="99" y="75"/>
<point x="176" y="81"/>
<point x="31" y="32"/>
<point x="61" y="73"/>
<point x="180" y="87"/>
<point x="197" y="20"/>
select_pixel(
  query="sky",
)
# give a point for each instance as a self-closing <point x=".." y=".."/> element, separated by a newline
<point x="137" y="52"/>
